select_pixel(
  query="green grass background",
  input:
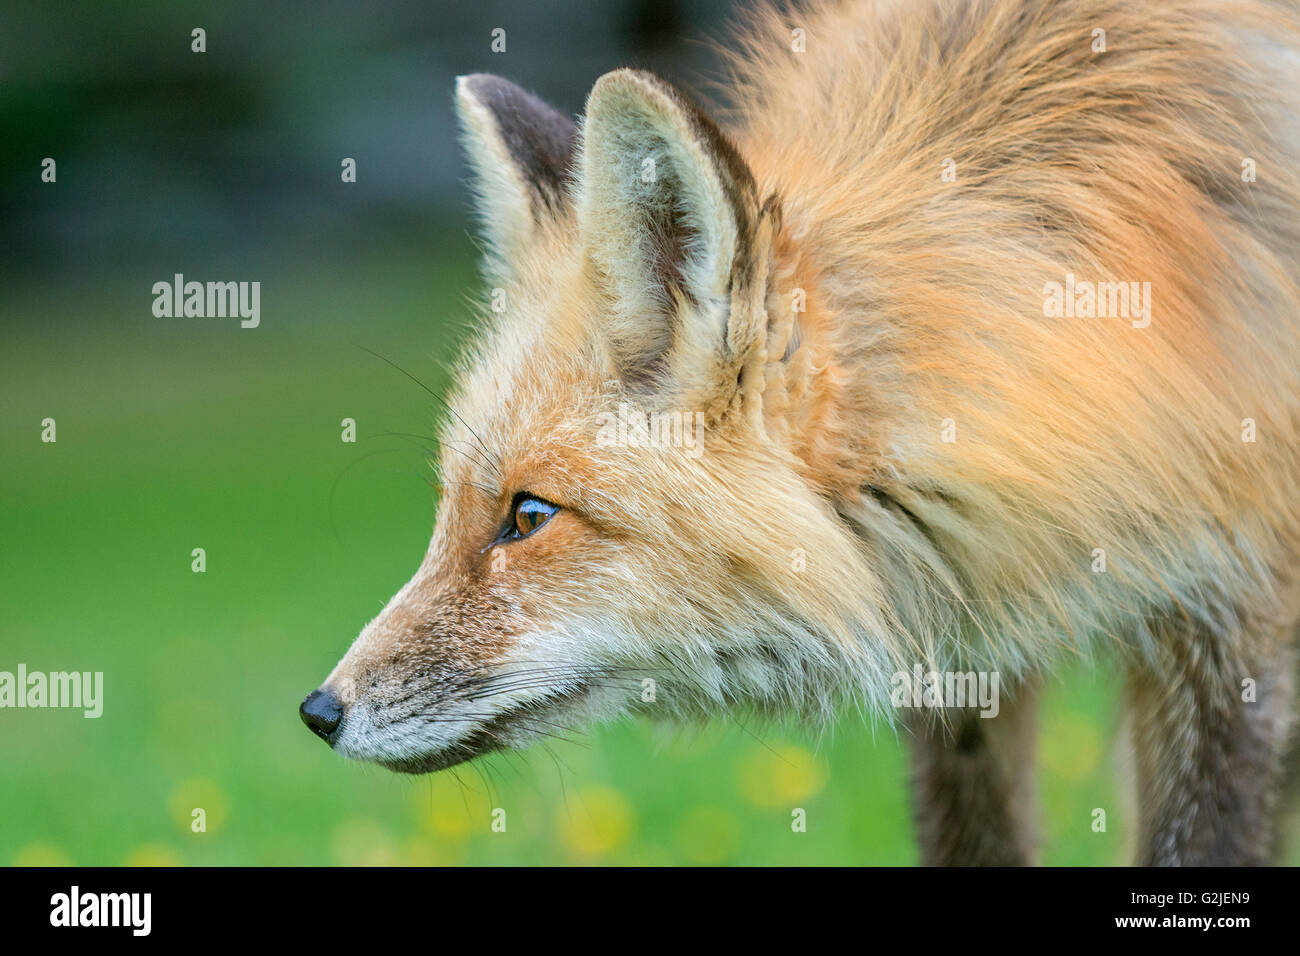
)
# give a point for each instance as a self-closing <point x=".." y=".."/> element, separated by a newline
<point x="182" y="433"/>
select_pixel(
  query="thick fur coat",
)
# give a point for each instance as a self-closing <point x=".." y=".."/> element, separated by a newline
<point x="988" y="313"/>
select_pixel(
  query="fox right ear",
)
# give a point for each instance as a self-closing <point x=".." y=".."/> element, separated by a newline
<point x="520" y="151"/>
<point x="670" y="216"/>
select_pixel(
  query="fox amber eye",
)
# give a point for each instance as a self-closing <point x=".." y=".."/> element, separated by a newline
<point x="531" y="514"/>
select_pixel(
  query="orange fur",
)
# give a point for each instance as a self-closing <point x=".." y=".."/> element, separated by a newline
<point x="828" y="535"/>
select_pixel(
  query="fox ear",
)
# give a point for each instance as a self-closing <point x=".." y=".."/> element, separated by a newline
<point x="669" y="214"/>
<point x="520" y="151"/>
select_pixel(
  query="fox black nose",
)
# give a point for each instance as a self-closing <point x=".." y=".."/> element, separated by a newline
<point x="322" y="712"/>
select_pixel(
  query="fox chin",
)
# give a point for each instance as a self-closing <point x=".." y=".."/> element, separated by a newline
<point x="968" y="346"/>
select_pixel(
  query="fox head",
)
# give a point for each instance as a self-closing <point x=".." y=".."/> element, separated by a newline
<point x="637" y="505"/>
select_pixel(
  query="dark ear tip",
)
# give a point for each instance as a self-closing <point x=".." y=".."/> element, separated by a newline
<point x="510" y="102"/>
<point x="479" y="86"/>
<point x="498" y="94"/>
<point x="538" y="140"/>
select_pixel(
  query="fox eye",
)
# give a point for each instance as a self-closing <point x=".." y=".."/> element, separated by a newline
<point x="530" y="514"/>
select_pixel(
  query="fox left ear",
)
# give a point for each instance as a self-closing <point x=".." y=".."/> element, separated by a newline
<point x="520" y="151"/>
<point x="670" y="216"/>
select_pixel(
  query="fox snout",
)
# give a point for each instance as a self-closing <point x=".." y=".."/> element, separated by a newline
<point x="454" y="668"/>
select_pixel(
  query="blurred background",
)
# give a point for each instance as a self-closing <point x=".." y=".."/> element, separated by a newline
<point x="176" y="434"/>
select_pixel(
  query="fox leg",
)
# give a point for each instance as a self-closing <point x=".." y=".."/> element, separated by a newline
<point x="1211" y="719"/>
<point x="973" y="784"/>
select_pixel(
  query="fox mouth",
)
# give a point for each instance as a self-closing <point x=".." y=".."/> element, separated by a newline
<point x="432" y="727"/>
<point x="492" y="736"/>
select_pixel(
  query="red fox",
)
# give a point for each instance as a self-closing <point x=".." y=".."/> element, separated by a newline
<point x="967" y="344"/>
